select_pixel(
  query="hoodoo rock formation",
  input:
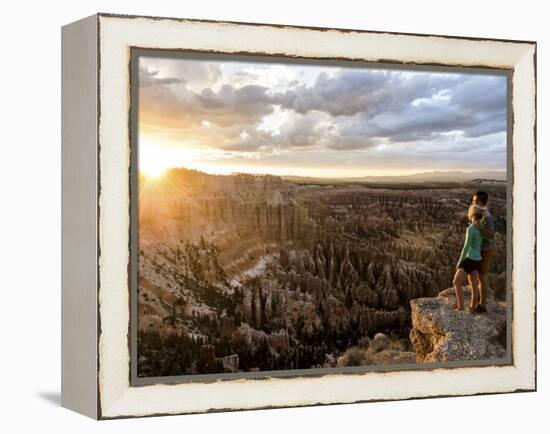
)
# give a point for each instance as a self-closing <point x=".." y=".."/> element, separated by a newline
<point x="241" y="273"/>
<point x="441" y="334"/>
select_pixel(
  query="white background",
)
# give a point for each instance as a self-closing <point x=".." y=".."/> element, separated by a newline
<point x="30" y="216"/>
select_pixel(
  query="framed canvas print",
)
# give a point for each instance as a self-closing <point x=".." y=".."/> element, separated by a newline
<point x="262" y="216"/>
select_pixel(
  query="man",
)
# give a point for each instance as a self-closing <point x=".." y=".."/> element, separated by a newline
<point x="487" y="229"/>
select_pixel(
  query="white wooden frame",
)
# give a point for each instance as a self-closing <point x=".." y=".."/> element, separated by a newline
<point x="96" y="219"/>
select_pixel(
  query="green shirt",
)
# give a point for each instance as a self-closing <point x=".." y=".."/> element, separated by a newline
<point x="472" y="245"/>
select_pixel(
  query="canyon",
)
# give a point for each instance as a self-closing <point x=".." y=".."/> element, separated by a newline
<point x="244" y="273"/>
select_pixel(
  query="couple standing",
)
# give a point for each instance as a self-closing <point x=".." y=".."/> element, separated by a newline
<point x="473" y="264"/>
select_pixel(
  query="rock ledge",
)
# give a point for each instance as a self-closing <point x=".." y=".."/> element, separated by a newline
<point x="441" y="334"/>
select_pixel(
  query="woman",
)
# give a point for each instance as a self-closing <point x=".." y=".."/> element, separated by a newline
<point x="469" y="264"/>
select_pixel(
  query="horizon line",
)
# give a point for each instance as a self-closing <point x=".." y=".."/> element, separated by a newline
<point x="422" y="172"/>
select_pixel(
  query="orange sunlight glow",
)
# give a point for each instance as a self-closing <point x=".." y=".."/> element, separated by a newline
<point x="156" y="156"/>
<point x="153" y="171"/>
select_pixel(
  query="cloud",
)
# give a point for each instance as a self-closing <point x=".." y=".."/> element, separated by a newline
<point x="456" y="153"/>
<point x="352" y="91"/>
<point x="401" y="106"/>
<point x="290" y="110"/>
<point x="149" y="77"/>
<point x="298" y="131"/>
<point x="196" y="73"/>
<point x="243" y="104"/>
<point x="170" y="106"/>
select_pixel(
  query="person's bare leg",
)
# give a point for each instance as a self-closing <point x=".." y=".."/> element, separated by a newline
<point x="457" y="283"/>
<point x="484" y="277"/>
<point x="482" y="289"/>
<point x="471" y="283"/>
<point x="475" y="293"/>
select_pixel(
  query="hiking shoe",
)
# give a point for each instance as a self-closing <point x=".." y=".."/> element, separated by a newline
<point x="480" y="309"/>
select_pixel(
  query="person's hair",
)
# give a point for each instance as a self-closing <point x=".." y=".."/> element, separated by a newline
<point x="475" y="212"/>
<point x="483" y="196"/>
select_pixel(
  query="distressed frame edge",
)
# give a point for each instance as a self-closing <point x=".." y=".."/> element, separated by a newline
<point x="135" y="381"/>
<point x="316" y="28"/>
<point x="529" y="386"/>
<point x="79" y="218"/>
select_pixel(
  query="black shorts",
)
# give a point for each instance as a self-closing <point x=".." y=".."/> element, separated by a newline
<point x="469" y="265"/>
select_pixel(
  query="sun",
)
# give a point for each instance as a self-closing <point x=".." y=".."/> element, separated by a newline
<point x="153" y="171"/>
<point x="153" y="160"/>
<point x="156" y="156"/>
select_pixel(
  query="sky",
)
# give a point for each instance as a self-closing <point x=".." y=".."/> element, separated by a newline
<point x="316" y="120"/>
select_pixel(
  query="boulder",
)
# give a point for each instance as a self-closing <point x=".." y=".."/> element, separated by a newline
<point x="353" y="356"/>
<point x="379" y="343"/>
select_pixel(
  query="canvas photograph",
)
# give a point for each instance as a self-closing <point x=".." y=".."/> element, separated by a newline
<point x="293" y="216"/>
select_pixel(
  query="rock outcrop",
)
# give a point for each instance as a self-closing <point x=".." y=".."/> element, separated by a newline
<point x="440" y="334"/>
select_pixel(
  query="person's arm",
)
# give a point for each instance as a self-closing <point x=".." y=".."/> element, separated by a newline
<point x="486" y="227"/>
<point x="485" y="232"/>
<point x="467" y="243"/>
